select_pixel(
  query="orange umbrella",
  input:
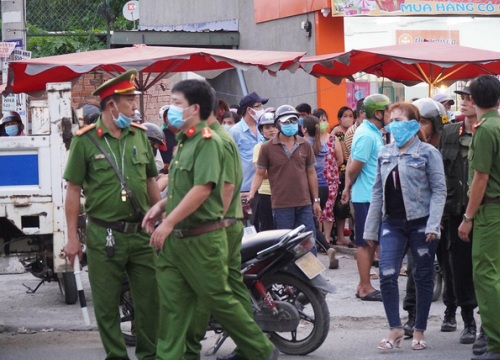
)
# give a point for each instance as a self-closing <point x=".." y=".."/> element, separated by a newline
<point x="431" y="63"/>
<point x="152" y="62"/>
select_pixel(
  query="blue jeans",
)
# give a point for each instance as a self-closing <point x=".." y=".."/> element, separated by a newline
<point x="396" y="236"/>
<point x="292" y="217"/>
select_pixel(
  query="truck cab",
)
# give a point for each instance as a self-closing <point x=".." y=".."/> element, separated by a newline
<point x="32" y="220"/>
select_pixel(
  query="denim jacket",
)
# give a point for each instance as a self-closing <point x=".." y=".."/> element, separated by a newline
<point x="423" y="186"/>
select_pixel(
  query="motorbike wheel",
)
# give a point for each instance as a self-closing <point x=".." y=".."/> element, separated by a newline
<point x="314" y="314"/>
<point x="127" y="315"/>
<point x="67" y="285"/>
<point x="437" y="279"/>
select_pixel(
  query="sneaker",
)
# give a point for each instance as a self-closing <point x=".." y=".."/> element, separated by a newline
<point x="334" y="263"/>
<point x="449" y="322"/>
<point x="274" y="355"/>
<point x="481" y="344"/>
<point x="409" y="326"/>
<point x="468" y="336"/>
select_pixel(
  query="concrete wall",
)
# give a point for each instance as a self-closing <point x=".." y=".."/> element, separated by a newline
<point x="178" y="12"/>
<point x="284" y="34"/>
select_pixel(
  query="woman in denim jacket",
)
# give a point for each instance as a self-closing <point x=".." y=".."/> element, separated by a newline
<point x="407" y="204"/>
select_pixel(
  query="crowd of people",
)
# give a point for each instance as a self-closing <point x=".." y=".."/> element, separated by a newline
<point x="165" y="207"/>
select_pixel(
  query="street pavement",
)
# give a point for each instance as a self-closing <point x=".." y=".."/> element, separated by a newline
<point x="40" y="326"/>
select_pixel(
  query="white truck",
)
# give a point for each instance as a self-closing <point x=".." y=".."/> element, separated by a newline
<point x="32" y="221"/>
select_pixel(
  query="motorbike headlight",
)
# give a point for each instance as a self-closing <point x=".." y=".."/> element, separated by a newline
<point x="304" y="246"/>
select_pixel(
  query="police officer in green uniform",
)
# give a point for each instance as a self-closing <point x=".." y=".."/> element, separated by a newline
<point x="193" y="249"/>
<point x="483" y="209"/>
<point x="454" y="146"/>
<point x="233" y="177"/>
<point x="116" y="243"/>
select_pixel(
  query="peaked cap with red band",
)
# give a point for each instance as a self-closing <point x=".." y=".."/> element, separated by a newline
<point x="123" y="84"/>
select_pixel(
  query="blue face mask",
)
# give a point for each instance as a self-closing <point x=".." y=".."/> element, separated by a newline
<point x="301" y="121"/>
<point x="175" y="114"/>
<point x="12" y="130"/>
<point x="403" y="131"/>
<point x="289" y="129"/>
<point x="122" y="121"/>
<point x="227" y="127"/>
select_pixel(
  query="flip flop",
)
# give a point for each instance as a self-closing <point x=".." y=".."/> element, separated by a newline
<point x="375" y="295"/>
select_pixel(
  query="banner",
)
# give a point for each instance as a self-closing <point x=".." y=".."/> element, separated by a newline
<point x="15" y="102"/>
<point x="356" y="91"/>
<point x="451" y="37"/>
<point x="414" y="7"/>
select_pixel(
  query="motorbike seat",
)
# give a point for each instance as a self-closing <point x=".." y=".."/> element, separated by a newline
<point x="251" y="245"/>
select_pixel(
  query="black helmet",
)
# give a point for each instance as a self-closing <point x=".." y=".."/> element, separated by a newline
<point x="284" y="112"/>
<point x="90" y="113"/>
<point x="154" y="133"/>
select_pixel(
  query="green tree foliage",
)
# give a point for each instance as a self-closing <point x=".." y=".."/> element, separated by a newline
<point x="57" y="27"/>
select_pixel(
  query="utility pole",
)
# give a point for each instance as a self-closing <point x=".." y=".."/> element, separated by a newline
<point x="14" y="22"/>
<point x="13" y="31"/>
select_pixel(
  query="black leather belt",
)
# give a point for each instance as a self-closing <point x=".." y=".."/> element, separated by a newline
<point x="202" y="229"/>
<point x="494" y="200"/>
<point x="121" y="226"/>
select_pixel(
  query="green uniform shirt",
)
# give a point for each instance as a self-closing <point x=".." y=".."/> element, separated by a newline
<point x="484" y="153"/>
<point x="198" y="161"/>
<point x="88" y="168"/>
<point x="233" y="173"/>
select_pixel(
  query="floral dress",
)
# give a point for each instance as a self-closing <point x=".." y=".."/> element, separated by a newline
<point x="342" y="211"/>
<point x="332" y="178"/>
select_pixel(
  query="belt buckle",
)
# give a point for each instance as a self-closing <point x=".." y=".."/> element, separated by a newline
<point x="180" y="233"/>
<point x="130" y="228"/>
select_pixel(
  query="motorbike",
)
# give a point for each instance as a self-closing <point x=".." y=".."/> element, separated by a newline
<point x="286" y="289"/>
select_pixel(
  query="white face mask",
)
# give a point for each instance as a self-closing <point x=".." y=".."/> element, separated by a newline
<point x="257" y="114"/>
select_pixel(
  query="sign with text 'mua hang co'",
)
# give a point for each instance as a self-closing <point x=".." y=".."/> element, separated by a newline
<point x="414" y="7"/>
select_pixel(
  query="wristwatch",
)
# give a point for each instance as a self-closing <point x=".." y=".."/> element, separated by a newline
<point x="467" y="219"/>
<point x="317" y="200"/>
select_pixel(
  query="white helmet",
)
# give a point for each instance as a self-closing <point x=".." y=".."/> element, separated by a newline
<point x="162" y="112"/>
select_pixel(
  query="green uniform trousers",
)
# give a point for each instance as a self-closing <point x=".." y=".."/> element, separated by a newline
<point x="198" y="326"/>
<point x="486" y="270"/>
<point x="135" y="257"/>
<point x="195" y="268"/>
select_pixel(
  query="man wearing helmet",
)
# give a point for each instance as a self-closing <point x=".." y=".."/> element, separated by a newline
<point x="289" y="161"/>
<point x="11" y="125"/>
<point x="360" y="178"/>
<point x="157" y="141"/>
<point x="447" y="102"/>
<point x="246" y="135"/>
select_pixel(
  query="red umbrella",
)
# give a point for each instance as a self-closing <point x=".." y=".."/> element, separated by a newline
<point x="152" y="62"/>
<point x="432" y="63"/>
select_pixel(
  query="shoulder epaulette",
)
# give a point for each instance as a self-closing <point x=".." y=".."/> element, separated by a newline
<point x="479" y="123"/>
<point x="138" y="126"/>
<point x="83" y="130"/>
<point x="206" y="133"/>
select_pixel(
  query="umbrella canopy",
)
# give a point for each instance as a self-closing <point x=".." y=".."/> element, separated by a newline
<point x="431" y="63"/>
<point x="152" y="62"/>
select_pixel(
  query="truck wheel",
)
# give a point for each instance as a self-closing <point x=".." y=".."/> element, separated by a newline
<point x="67" y="284"/>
